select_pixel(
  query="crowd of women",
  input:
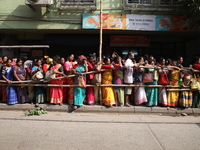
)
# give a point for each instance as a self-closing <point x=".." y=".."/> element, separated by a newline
<point x="130" y="71"/>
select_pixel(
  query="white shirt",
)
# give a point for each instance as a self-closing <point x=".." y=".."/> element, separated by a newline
<point x="128" y="73"/>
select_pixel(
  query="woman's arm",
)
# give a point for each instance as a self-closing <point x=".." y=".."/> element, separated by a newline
<point x="15" y="74"/>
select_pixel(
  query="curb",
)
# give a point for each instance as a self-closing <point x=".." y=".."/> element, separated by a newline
<point x="102" y="109"/>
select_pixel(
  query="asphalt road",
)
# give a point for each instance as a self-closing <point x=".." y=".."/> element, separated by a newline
<point x="78" y="131"/>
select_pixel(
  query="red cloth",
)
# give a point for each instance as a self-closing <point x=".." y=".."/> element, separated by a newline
<point x="106" y="67"/>
<point x="196" y="66"/>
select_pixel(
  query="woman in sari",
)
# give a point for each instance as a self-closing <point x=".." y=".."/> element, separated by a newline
<point x="20" y="74"/>
<point x="4" y="62"/>
<point x="174" y="76"/>
<point x="152" y="92"/>
<point x="56" y="93"/>
<point x="139" y="92"/>
<point x="162" y="90"/>
<point x="79" y="93"/>
<point x="39" y="90"/>
<point x="108" y="98"/>
<point x="118" y="79"/>
<point x="68" y="70"/>
<point x="7" y="75"/>
<point x="90" y="98"/>
<point x="185" y="98"/>
<point x="196" y="96"/>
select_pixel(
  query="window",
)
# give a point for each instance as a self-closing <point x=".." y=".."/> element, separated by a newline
<point x="139" y="2"/>
<point x="87" y="2"/>
<point x="169" y="2"/>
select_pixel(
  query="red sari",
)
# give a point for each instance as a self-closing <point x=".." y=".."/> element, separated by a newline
<point x="56" y="93"/>
<point x="68" y="92"/>
<point x="90" y="90"/>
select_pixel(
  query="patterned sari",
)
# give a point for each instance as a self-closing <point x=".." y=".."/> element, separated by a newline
<point x="68" y="92"/>
<point x="21" y="90"/>
<point x="11" y="93"/>
<point x="56" y="93"/>
<point x="185" y="99"/>
<point x="108" y="98"/>
<point x="118" y="91"/>
<point x="39" y="91"/>
<point x="152" y="92"/>
<point x="173" y="95"/>
<point x="79" y="93"/>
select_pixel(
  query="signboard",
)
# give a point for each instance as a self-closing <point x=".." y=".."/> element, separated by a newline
<point x="130" y="41"/>
<point x="140" y="22"/>
<point x="137" y="22"/>
<point x="37" y="53"/>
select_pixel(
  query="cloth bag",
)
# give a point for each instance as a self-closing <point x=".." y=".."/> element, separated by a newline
<point x="37" y="76"/>
<point x="50" y="74"/>
<point x="97" y="78"/>
<point x="195" y="84"/>
<point x="82" y="82"/>
<point x="163" y="79"/>
<point x="147" y="77"/>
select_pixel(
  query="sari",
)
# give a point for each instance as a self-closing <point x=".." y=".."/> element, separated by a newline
<point x="118" y="91"/>
<point x="139" y="92"/>
<point x="108" y="98"/>
<point x="163" y="93"/>
<point x="11" y="93"/>
<point x="152" y="92"/>
<point x="196" y="94"/>
<point x="185" y="99"/>
<point x="21" y="90"/>
<point x="68" y="92"/>
<point x="173" y="95"/>
<point x="56" y="93"/>
<point x="90" y="90"/>
<point x="39" y="91"/>
<point x="79" y="93"/>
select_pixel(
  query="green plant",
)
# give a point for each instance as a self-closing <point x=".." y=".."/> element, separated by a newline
<point x="38" y="111"/>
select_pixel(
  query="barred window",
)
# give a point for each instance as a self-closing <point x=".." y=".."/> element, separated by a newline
<point x="139" y="2"/>
<point x="169" y="2"/>
<point x="89" y="2"/>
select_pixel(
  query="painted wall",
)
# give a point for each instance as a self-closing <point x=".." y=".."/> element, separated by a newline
<point x="14" y="14"/>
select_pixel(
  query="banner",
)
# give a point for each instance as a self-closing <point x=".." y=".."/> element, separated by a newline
<point x="137" y="22"/>
<point x="140" y="22"/>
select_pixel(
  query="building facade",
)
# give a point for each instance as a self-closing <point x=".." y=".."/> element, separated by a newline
<point x="154" y="27"/>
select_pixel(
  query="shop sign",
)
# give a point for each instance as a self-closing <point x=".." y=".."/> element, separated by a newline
<point x="130" y="41"/>
<point x="137" y="22"/>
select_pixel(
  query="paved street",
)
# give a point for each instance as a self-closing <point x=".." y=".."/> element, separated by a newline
<point x="65" y="131"/>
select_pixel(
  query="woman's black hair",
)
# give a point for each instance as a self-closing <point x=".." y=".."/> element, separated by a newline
<point x="179" y="57"/>
<point x="161" y="59"/>
<point x="195" y="59"/>
<point x="115" y="59"/>
<point x="8" y="60"/>
<point x="133" y="59"/>
<point x="69" y="55"/>
<point x="4" y="57"/>
<point x="150" y="61"/>
<point x="139" y="58"/>
<point x="56" y="58"/>
<point x="18" y="60"/>
<point x="168" y="62"/>
<point x="105" y="59"/>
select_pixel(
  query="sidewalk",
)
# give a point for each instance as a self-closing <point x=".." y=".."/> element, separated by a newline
<point x="103" y="109"/>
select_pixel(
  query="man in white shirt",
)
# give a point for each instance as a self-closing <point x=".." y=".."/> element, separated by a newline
<point x="128" y="77"/>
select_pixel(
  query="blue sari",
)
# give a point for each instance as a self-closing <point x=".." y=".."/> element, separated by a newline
<point x="79" y="93"/>
<point x="11" y="93"/>
<point x="152" y="92"/>
<point x="39" y="91"/>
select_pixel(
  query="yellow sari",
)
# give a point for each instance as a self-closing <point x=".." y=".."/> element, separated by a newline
<point x="173" y="96"/>
<point x="108" y="98"/>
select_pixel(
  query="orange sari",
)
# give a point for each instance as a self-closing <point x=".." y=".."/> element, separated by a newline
<point x="108" y="98"/>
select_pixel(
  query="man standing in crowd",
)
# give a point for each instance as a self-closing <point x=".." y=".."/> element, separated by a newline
<point x="128" y="77"/>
